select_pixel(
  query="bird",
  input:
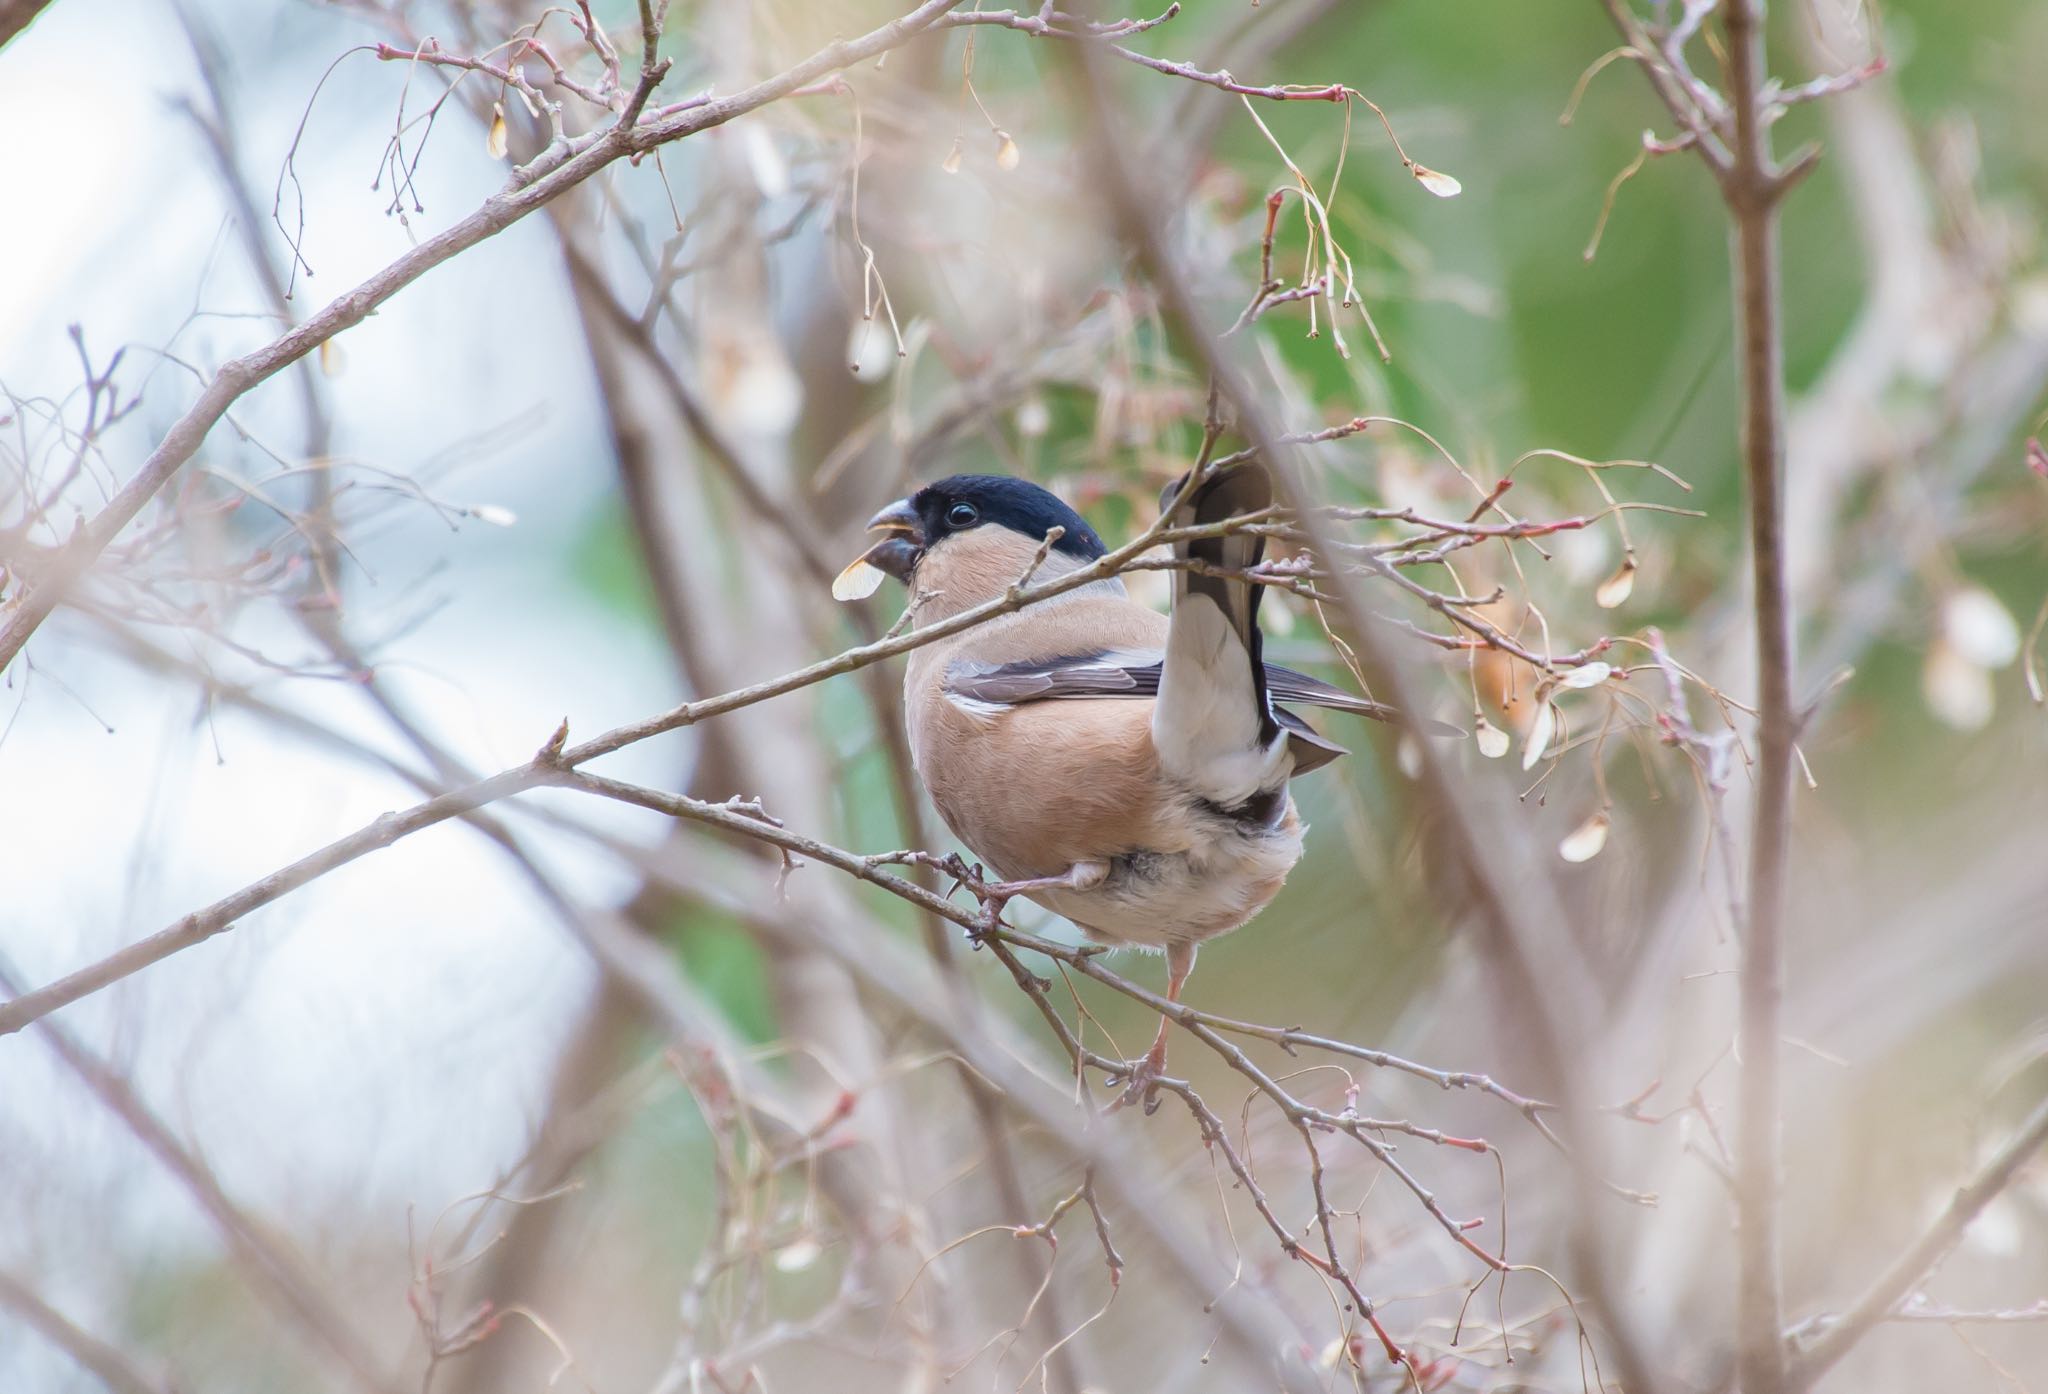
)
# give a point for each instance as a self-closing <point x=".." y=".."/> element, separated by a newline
<point x="1125" y="769"/>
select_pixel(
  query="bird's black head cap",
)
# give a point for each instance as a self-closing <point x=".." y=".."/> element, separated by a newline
<point x="966" y="501"/>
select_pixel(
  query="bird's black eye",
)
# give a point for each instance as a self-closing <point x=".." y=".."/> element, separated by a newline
<point x="962" y="515"/>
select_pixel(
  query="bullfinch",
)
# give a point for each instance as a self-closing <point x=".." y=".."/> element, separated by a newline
<point x="1125" y="769"/>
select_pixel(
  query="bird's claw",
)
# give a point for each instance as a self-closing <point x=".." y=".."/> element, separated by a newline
<point x="1142" y="1083"/>
<point x="955" y="866"/>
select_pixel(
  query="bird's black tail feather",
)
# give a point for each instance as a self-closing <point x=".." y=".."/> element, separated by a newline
<point x="1246" y="488"/>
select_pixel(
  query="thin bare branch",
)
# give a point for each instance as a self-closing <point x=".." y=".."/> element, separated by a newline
<point x="273" y="1272"/>
<point x="107" y="1363"/>
<point x="1819" y="1343"/>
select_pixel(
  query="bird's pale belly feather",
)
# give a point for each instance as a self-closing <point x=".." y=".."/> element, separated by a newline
<point x="1153" y="899"/>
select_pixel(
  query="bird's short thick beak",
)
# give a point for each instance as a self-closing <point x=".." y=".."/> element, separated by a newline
<point x="898" y="517"/>
<point x="897" y="554"/>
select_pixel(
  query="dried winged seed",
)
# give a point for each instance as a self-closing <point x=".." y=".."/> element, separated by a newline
<point x="1586" y="675"/>
<point x="1616" y="589"/>
<point x="497" y="515"/>
<point x="332" y="359"/>
<point x="1007" y="153"/>
<point x="1493" y="742"/>
<point x="498" y="141"/>
<point x="858" y="581"/>
<point x="794" y="1258"/>
<point x="1956" y="690"/>
<point x="1436" y="181"/>
<point x="1537" y="742"/>
<point x="1981" y="628"/>
<point x="952" y="161"/>
<point x="1584" y="842"/>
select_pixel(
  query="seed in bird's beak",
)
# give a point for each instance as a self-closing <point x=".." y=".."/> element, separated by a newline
<point x="859" y="581"/>
<point x="895" y="555"/>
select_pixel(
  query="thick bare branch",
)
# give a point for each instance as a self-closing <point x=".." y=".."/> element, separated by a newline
<point x="1753" y="188"/>
<point x="17" y="15"/>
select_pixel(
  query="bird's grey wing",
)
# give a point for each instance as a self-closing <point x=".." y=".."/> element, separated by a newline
<point x="1135" y="673"/>
<point x="1102" y="673"/>
<point x="1128" y="673"/>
